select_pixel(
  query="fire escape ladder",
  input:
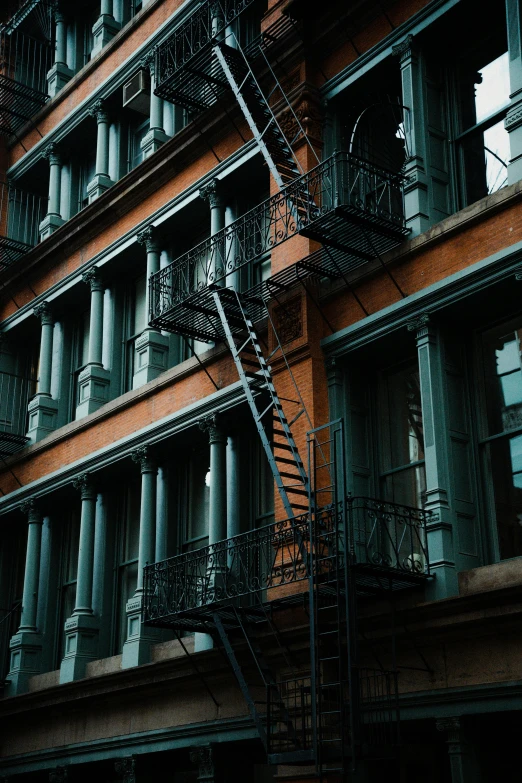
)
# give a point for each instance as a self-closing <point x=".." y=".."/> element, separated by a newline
<point x="266" y="130"/>
<point x="254" y="372"/>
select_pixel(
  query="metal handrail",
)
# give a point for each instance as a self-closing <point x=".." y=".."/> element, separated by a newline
<point x="343" y="180"/>
<point x="20" y="215"/>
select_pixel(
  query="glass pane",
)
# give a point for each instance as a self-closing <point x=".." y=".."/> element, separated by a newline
<point x="140" y="315"/>
<point x="128" y="582"/>
<point x="503" y="378"/>
<point x="492" y="87"/>
<point x="404" y="414"/>
<point x="132" y="522"/>
<point x="506" y="470"/>
<point x="199" y="492"/>
<point x="407" y="487"/>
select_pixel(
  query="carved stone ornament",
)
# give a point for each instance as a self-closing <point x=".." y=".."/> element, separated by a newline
<point x="59" y="775"/>
<point x="210" y="193"/>
<point x="43" y="312"/>
<point x="147" y="238"/>
<point x="306" y="116"/>
<point x="146" y="63"/>
<point x="52" y="153"/>
<point x="518" y="274"/>
<point x="422" y="321"/>
<point x="210" y="425"/>
<point x="143" y="457"/>
<point x="126" y="769"/>
<point x="98" y="111"/>
<point x="403" y="49"/>
<point x="513" y="118"/>
<point x="31" y="510"/>
<point x="93" y="279"/>
<point x="83" y="484"/>
<point x="289" y="320"/>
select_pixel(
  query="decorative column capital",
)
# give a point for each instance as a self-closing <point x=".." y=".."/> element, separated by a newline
<point x="403" y="50"/>
<point x="143" y="457"/>
<point x="126" y="769"/>
<point x="59" y="775"/>
<point x="421" y="325"/>
<point x="98" y="111"/>
<point x="147" y="62"/>
<point x="32" y="511"/>
<point x="92" y="278"/>
<point x="83" y="484"/>
<point x="52" y="154"/>
<point x="210" y="425"/>
<point x="148" y="238"/>
<point x="44" y="313"/>
<point x="210" y="192"/>
<point x="448" y="724"/>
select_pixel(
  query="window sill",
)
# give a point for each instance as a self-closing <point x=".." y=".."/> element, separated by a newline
<point x="507" y="573"/>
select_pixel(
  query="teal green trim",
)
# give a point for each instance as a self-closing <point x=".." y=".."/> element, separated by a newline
<point x="231" y="730"/>
<point x="475" y="278"/>
<point x="468" y="700"/>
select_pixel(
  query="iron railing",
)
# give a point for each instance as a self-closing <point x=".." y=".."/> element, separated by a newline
<point x="192" y="39"/>
<point x="388" y="535"/>
<point x="15" y="393"/>
<point x="24" y="63"/>
<point x="272" y="556"/>
<point x="341" y="184"/>
<point x="20" y="216"/>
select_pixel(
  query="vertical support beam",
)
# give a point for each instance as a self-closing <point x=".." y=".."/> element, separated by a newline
<point x="156" y="136"/>
<point x="233" y="478"/>
<point x="204" y="760"/>
<point x="81" y="629"/>
<point x="60" y="73"/>
<point x="416" y="191"/>
<point x="42" y="409"/>
<point x="136" y="649"/>
<point x="217" y="269"/>
<point x="441" y="538"/>
<point x="104" y="28"/>
<point x="513" y="121"/>
<point x="463" y="764"/>
<point x="94" y="380"/>
<point x="217" y="529"/>
<point x="151" y="347"/>
<point x="125" y="768"/>
<point x="101" y="180"/>
<point x="161" y="515"/>
<point x="53" y="219"/>
<point x="26" y="645"/>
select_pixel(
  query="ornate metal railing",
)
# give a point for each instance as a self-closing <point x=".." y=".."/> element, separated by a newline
<point x="342" y="183"/>
<point x="15" y="393"/>
<point x="24" y="63"/>
<point x="388" y="535"/>
<point x="20" y="216"/>
<point x="272" y="556"/>
<point x="194" y="36"/>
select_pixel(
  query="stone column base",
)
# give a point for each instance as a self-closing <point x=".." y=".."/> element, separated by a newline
<point x="98" y="185"/>
<point x="104" y="28"/>
<point x="49" y="225"/>
<point x="140" y="638"/>
<point x="94" y="384"/>
<point x="43" y="411"/>
<point x="25" y="661"/>
<point x="151" y="356"/>
<point x="57" y="78"/>
<point x="81" y="646"/>
<point x="152" y="141"/>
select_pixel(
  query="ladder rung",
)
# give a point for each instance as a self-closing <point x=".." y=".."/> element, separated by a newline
<point x="284" y="446"/>
<point x="296" y="491"/>
<point x="286" y="461"/>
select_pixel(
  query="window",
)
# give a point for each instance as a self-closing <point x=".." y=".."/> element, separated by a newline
<point x="87" y="171"/>
<point x="13" y="546"/>
<point x="68" y="574"/>
<point x="127" y="550"/>
<point x="503" y="442"/>
<point x="402" y="471"/>
<point x="137" y="130"/>
<point x="195" y="534"/>
<point x="136" y="317"/>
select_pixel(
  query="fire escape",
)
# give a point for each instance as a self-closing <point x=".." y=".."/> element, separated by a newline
<point x="317" y="706"/>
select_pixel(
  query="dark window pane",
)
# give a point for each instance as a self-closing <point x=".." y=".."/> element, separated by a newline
<point x="503" y="378"/>
<point x="506" y="469"/>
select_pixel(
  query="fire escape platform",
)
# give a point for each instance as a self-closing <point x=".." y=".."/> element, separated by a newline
<point x="18" y="103"/>
<point x="11" y="251"/>
<point x="10" y="443"/>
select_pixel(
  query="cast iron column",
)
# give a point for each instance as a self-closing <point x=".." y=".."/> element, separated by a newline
<point x="53" y="219"/>
<point x="101" y="180"/>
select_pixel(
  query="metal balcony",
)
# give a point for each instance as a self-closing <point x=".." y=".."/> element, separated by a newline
<point x="15" y="393"/>
<point x="20" y="216"/>
<point x="386" y="545"/>
<point x="24" y="63"/>
<point x="186" y="72"/>
<point x="350" y="206"/>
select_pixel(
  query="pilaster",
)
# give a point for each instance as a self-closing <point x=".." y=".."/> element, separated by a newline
<point x="81" y="629"/>
<point x="26" y="645"/>
<point x="203" y="758"/>
<point x="136" y="649"/>
<point x="463" y="765"/>
<point x="441" y="539"/>
<point x="125" y="769"/>
<point x="104" y="28"/>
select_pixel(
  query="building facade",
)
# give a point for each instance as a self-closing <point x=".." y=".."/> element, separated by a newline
<point x="260" y="368"/>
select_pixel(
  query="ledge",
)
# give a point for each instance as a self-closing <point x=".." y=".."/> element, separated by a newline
<point x="508" y="573"/>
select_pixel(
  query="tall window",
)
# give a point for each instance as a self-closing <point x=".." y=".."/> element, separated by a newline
<point x="68" y="574"/>
<point x="80" y="354"/>
<point x="503" y="441"/>
<point x="127" y="550"/>
<point x="402" y="471"/>
<point x="136" y="322"/>
<point x="13" y="547"/>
